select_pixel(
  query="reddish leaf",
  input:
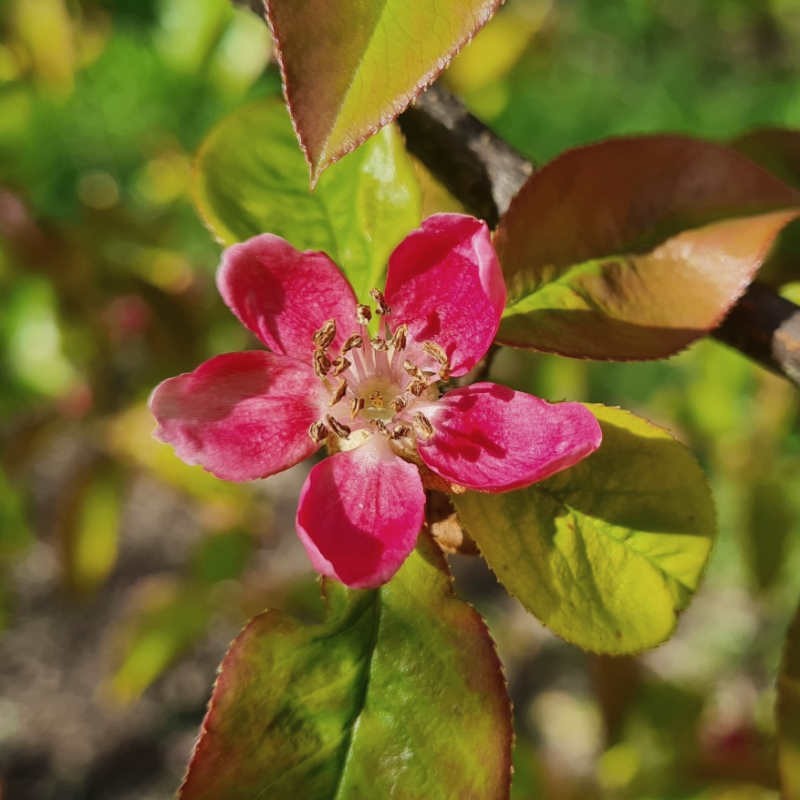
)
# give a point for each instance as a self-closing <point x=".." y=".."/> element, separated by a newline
<point x="352" y="66"/>
<point x="632" y="248"/>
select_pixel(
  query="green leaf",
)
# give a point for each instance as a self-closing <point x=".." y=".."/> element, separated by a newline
<point x="251" y="179"/>
<point x="607" y="552"/>
<point x="89" y="529"/>
<point x="397" y="693"/>
<point x="788" y="708"/>
<point x="352" y="66"/>
<point x="633" y="248"/>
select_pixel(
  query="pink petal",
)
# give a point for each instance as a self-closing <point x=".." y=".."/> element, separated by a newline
<point x="445" y="282"/>
<point x="283" y="295"/>
<point x="493" y="439"/>
<point x="242" y="416"/>
<point x="359" y="514"/>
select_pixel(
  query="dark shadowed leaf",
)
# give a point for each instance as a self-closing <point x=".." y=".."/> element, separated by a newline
<point x="633" y="248"/>
<point x="352" y="66"/>
<point x="397" y="693"/>
<point x="251" y="179"/>
<point x="609" y="551"/>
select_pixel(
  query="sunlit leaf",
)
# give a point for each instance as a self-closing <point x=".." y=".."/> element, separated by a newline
<point x="352" y="66"/>
<point x="788" y="707"/>
<point x="633" y="248"/>
<point x="608" y="552"/>
<point x="251" y="179"/>
<point x="397" y="693"/>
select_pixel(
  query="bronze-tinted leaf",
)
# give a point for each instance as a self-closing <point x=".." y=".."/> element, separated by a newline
<point x="352" y="66"/>
<point x="632" y="248"/>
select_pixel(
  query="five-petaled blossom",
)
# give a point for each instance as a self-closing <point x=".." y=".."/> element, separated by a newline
<point x="373" y="398"/>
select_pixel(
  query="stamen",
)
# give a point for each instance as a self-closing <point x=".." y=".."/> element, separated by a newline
<point x="339" y="365"/>
<point x="342" y="431"/>
<point x="356" y="406"/>
<point x="436" y="352"/>
<point x="353" y="341"/>
<point x="399" y="337"/>
<point x="363" y="314"/>
<point x="423" y="425"/>
<point x="400" y="431"/>
<point x="399" y="403"/>
<point x="339" y="392"/>
<point x="379" y="344"/>
<point x="413" y="370"/>
<point x="322" y="364"/>
<point x="380" y="302"/>
<point x="318" y="432"/>
<point x="325" y="335"/>
<point x="417" y="387"/>
<point x="381" y="426"/>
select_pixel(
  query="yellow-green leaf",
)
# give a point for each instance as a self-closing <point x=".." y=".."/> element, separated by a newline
<point x="251" y="179"/>
<point x="609" y="551"/>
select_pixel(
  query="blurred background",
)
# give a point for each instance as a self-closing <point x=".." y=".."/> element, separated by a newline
<point x="124" y="573"/>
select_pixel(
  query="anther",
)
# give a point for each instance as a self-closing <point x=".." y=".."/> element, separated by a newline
<point x="423" y="425"/>
<point x="339" y="392"/>
<point x="356" y="406"/>
<point x="318" y="432"/>
<point x="322" y="364"/>
<point x="376" y="400"/>
<point x="399" y="403"/>
<point x="378" y="343"/>
<point x="400" y="431"/>
<point x="363" y="314"/>
<point x="380" y="302"/>
<point x="325" y="335"/>
<point x="352" y="342"/>
<point x="380" y="425"/>
<point x="399" y="337"/>
<point x="413" y="370"/>
<point x="339" y="365"/>
<point x="342" y="431"/>
<point x="436" y="352"/>
<point x="417" y="387"/>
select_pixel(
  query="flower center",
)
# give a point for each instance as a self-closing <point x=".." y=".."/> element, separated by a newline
<point x="382" y="384"/>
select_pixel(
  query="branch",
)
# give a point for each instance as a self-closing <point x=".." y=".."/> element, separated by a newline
<point x="484" y="173"/>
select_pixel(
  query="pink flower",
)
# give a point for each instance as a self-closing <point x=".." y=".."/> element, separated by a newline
<point x="373" y="400"/>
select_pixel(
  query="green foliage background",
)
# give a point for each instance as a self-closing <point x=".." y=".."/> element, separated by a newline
<point x="106" y="287"/>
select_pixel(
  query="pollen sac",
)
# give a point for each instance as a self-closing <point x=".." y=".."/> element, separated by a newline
<point x="342" y="431"/>
<point x="322" y="364"/>
<point x="380" y="302"/>
<point x="401" y="431"/>
<point x="352" y="342"/>
<point x="325" y="335"/>
<point x="379" y="344"/>
<point x="399" y="338"/>
<point x="339" y="393"/>
<point x="356" y="406"/>
<point x="422" y="425"/>
<point x="318" y="432"/>
<point x="339" y="365"/>
<point x="436" y="352"/>
<point x="363" y="314"/>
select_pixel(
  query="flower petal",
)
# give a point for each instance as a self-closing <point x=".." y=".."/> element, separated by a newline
<point x="493" y="439"/>
<point x="242" y="416"/>
<point x="283" y="295"/>
<point x="445" y="282"/>
<point x="359" y="514"/>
